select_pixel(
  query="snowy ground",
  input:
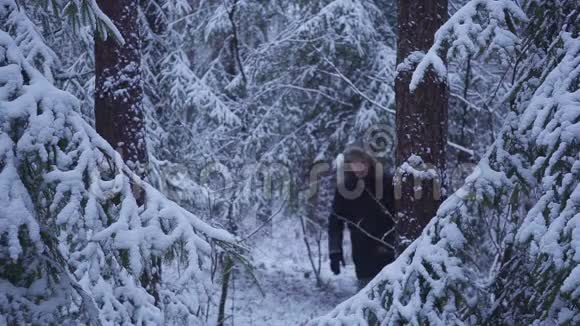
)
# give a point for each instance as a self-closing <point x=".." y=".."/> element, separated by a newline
<point x="291" y="296"/>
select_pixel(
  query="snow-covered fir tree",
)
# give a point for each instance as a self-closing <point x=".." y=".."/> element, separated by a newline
<point x="74" y="241"/>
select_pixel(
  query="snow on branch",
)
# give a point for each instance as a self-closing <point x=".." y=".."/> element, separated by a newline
<point x="478" y="25"/>
<point x="89" y="12"/>
<point x="189" y="90"/>
<point x="74" y="241"/>
<point x="552" y="124"/>
<point x="13" y="18"/>
<point x="337" y="23"/>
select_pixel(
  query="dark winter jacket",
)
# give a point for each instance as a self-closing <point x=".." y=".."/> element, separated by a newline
<point x="368" y="224"/>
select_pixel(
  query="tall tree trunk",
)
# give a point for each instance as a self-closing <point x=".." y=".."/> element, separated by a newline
<point x="118" y="87"/>
<point x="119" y="114"/>
<point x="226" y="275"/>
<point x="229" y="265"/>
<point x="236" y="60"/>
<point x="421" y="122"/>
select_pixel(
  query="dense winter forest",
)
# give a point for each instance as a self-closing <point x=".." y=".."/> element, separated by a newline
<point x="180" y="162"/>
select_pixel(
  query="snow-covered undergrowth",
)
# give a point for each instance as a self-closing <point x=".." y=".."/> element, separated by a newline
<point x="283" y="290"/>
<point x="505" y="248"/>
<point x="79" y="232"/>
<point x="479" y="25"/>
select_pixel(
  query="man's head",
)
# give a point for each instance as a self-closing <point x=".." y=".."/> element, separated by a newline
<point x="359" y="162"/>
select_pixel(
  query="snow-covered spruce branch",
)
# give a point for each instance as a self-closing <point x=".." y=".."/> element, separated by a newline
<point x="352" y="85"/>
<point x="453" y="274"/>
<point x="13" y="19"/>
<point x="89" y="13"/>
<point x="466" y="34"/>
<point x="66" y="195"/>
<point x="187" y="90"/>
<point x="349" y="18"/>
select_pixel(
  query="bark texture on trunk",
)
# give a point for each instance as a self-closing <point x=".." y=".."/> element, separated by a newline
<point x="421" y="120"/>
<point x="119" y="116"/>
<point x="118" y="87"/>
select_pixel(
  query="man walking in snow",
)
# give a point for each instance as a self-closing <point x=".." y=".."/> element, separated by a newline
<point x="364" y="200"/>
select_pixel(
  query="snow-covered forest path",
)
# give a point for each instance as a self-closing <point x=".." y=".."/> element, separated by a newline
<point x="291" y="296"/>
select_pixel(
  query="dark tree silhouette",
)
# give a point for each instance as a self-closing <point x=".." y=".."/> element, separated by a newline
<point x="421" y="122"/>
<point x="118" y="86"/>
